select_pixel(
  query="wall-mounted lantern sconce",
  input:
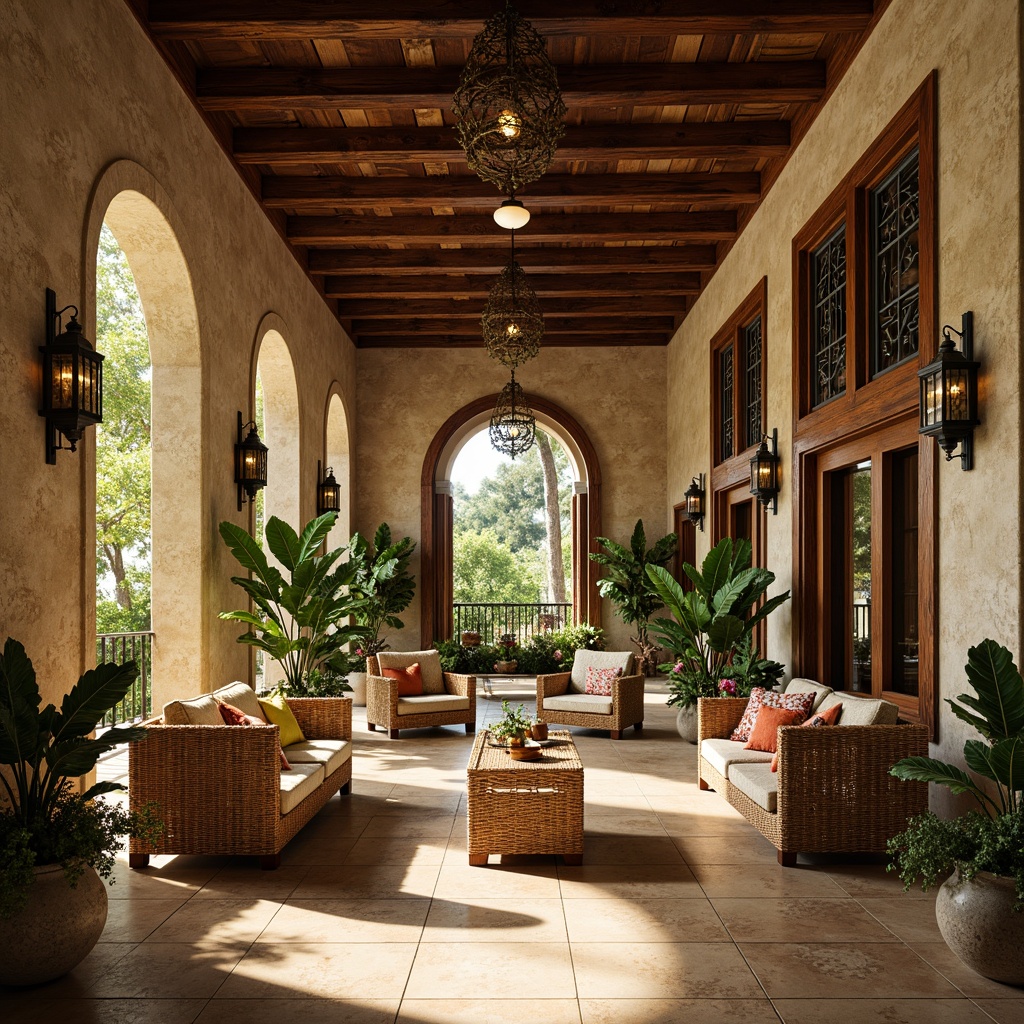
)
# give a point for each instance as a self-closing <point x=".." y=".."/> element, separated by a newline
<point x="328" y="491"/>
<point x="72" y="381"/>
<point x="764" y="473"/>
<point x="250" y="462"/>
<point x="693" y="497"/>
<point x="949" y="394"/>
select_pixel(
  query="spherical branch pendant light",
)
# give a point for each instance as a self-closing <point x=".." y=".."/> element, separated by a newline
<point x="512" y="323"/>
<point x="512" y="426"/>
<point x="508" y="108"/>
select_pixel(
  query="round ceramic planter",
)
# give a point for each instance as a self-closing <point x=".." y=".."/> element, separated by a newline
<point x="979" y="924"/>
<point x="55" y="930"/>
<point x="686" y="723"/>
<point x="357" y="680"/>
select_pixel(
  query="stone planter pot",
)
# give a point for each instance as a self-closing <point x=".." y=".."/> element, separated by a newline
<point x="357" y="680"/>
<point x="979" y="924"/>
<point x="686" y="723"/>
<point x="55" y="930"/>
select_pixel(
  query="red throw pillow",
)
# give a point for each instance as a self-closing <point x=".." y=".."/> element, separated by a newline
<point x="760" y="697"/>
<point x="764" y="735"/>
<point x="235" y="716"/>
<point x="410" y="679"/>
<point x="818" y="719"/>
<point x="599" y="680"/>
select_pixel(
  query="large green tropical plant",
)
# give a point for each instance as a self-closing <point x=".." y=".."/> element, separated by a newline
<point x="990" y="838"/>
<point x="383" y="583"/>
<point x="41" y="751"/>
<point x="627" y="585"/>
<point x="301" y="622"/>
<point x="712" y="623"/>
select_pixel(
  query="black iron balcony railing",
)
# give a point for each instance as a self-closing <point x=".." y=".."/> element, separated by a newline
<point x="521" y="620"/>
<point x="119" y="648"/>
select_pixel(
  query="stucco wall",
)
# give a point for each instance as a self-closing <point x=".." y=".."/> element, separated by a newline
<point x="89" y="103"/>
<point x="974" y="46"/>
<point x="617" y="396"/>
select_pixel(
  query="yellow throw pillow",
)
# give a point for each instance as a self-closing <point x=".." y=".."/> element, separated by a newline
<point x="278" y="713"/>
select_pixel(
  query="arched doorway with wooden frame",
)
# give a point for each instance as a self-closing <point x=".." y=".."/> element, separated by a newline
<point x="436" y="511"/>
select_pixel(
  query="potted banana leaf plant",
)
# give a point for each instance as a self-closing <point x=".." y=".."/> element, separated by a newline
<point x="383" y="583"/>
<point x="56" y="843"/>
<point x="980" y="906"/>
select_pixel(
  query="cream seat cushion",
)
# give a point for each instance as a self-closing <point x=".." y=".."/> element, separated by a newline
<point x="759" y="782"/>
<point x="332" y="754"/>
<point x="580" y="704"/>
<point x="585" y="659"/>
<point x="722" y="754"/>
<point x="431" y="704"/>
<point x="298" y="783"/>
<point x="810" y="686"/>
<point x="428" y="661"/>
<point x="862" y="710"/>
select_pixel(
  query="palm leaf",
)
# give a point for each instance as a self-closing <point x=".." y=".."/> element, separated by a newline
<point x="928" y="769"/>
<point x="1000" y="700"/>
<point x="638" y="542"/>
<point x="248" y="553"/>
<point x="19" y="700"/>
<point x="283" y="542"/>
<point x="766" y="609"/>
<point x="315" y="534"/>
<point x="723" y="632"/>
<point x="716" y="569"/>
<point x="99" y="690"/>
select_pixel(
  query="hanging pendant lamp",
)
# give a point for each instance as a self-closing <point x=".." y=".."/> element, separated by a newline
<point x="512" y="322"/>
<point x="509" y="113"/>
<point x="512" y="426"/>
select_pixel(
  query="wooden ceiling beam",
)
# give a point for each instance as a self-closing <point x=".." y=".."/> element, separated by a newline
<point x="446" y="309"/>
<point x="599" y="339"/>
<point x="405" y="193"/>
<point x="582" y="85"/>
<point x="610" y="259"/>
<point x="463" y="19"/>
<point x="298" y="146"/>
<point x="702" y="226"/>
<point x="413" y="326"/>
<point x="430" y="286"/>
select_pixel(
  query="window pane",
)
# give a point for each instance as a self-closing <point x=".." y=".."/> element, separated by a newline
<point x="725" y="398"/>
<point x="859" y="579"/>
<point x="904" y="573"/>
<point x="752" y="373"/>
<point x="828" y="338"/>
<point x="895" y="218"/>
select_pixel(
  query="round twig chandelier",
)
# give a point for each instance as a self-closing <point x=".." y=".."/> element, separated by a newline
<point x="512" y="426"/>
<point x="508" y="108"/>
<point x="512" y="322"/>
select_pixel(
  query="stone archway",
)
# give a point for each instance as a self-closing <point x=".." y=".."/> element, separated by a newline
<point x="437" y="520"/>
<point x="338" y="456"/>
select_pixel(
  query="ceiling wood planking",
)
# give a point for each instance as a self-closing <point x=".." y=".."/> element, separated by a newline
<point x="447" y="308"/>
<point x="413" y="326"/>
<point x="463" y="19"/>
<point x="600" y="339"/>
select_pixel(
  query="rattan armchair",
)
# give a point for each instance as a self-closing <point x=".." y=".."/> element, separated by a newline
<point x="562" y="700"/>
<point x="448" y="698"/>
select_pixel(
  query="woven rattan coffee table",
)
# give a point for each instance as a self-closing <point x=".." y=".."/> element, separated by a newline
<point x="525" y="806"/>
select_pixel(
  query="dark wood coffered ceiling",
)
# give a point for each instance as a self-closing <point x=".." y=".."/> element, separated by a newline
<point x="681" y="113"/>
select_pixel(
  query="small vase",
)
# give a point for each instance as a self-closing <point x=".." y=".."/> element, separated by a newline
<point x="539" y="730"/>
<point x="357" y="680"/>
<point x="686" y="723"/>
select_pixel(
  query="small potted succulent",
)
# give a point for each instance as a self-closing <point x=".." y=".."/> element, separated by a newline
<point x="513" y="727"/>
<point x="507" y="642"/>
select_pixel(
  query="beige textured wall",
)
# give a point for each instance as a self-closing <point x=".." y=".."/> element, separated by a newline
<point x="974" y="45"/>
<point x="617" y="395"/>
<point x="89" y="107"/>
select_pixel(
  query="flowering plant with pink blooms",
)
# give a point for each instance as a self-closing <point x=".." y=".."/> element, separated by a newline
<point x="557" y="655"/>
<point x="727" y="687"/>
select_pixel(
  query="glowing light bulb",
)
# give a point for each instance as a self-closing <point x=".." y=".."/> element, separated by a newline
<point x="513" y="432"/>
<point x="510" y="124"/>
<point x="512" y="330"/>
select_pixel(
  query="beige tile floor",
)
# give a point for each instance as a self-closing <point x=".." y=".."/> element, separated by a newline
<point x="678" y="913"/>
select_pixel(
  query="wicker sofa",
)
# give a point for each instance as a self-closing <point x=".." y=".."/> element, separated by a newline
<point x="832" y="792"/>
<point x="220" y="789"/>
<point x="562" y="698"/>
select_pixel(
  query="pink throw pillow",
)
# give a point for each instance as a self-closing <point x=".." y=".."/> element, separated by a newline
<point x="599" y="680"/>
<point x="759" y="696"/>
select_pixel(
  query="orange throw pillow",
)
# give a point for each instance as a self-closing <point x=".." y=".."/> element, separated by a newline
<point x="764" y="734"/>
<point x="410" y="680"/>
<point x="818" y="719"/>
<point x="235" y="716"/>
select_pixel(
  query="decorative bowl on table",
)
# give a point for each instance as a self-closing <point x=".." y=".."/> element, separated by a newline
<point x="531" y="752"/>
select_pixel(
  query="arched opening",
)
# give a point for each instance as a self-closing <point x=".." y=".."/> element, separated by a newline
<point x="137" y="213"/>
<point x="338" y="458"/>
<point x="436" y="511"/>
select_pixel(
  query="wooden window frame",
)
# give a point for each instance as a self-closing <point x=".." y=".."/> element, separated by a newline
<point x="880" y="413"/>
<point x="686" y="548"/>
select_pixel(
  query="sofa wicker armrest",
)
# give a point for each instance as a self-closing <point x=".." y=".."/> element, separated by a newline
<point x="718" y="716"/>
<point x="381" y="699"/>
<point x="460" y="686"/>
<point x="628" y="700"/>
<point x="552" y="685"/>
<point x="323" y="718"/>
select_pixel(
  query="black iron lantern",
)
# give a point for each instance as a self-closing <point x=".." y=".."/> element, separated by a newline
<point x="949" y="394"/>
<point x="764" y="473"/>
<point x="694" y="502"/>
<point x="512" y="428"/>
<point x="250" y="462"/>
<point x="72" y="381"/>
<point x="512" y="322"/>
<point x="328" y="491"/>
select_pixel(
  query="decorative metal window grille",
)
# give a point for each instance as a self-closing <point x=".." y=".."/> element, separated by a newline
<point x="828" y="341"/>
<point x="726" y="386"/>
<point x="895" y="220"/>
<point x="752" y="374"/>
